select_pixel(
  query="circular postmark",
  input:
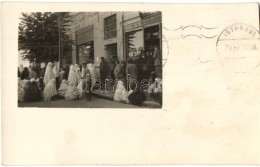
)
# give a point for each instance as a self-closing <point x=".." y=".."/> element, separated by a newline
<point x="238" y="47"/>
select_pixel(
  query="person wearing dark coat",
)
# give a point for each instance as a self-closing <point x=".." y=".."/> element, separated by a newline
<point x="25" y="74"/>
<point x="140" y="62"/>
<point x="137" y="97"/>
<point x="42" y="72"/>
<point x="33" y="93"/>
<point x="103" y="71"/>
<point x="149" y="62"/>
<point x="157" y="62"/>
<point x="123" y="73"/>
<point x="66" y="72"/>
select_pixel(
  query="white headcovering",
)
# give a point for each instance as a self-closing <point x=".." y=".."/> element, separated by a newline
<point x="48" y="74"/>
<point x="49" y="90"/>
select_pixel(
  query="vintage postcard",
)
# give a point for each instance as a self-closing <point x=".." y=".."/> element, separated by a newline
<point x="130" y="83"/>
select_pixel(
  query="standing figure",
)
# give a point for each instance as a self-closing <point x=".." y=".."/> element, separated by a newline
<point x="112" y="68"/>
<point x="81" y="83"/>
<point x="66" y="72"/>
<point x="132" y="74"/>
<point x="140" y="62"/>
<point x="25" y="74"/>
<point x="118" y="70"/>
<point x="103" y="71"/>
<point x="77" y="70"/>
<point x="49" y="75"/>
<point x="32" y="73"/>
<point x="72" y="78"/>
<point x="57" y="76"/>
<point x="92" y="72"/>
<point x="88" y="84"/>
<point x="42" y="72"/>
<point x="21" y="68"/>
<point x="123" y="73"/>
<point x="157" y="62"/>
<point x="149" y="62"/>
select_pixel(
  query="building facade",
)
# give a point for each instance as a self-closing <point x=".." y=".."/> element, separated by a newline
<point x="113" y="35"/>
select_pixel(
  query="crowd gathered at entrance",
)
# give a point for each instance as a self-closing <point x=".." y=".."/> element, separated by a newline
<point x="78" y="82"/>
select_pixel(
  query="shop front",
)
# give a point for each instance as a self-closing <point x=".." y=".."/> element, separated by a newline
<point x="143" y="35"/>
<point x="85" y="45"/>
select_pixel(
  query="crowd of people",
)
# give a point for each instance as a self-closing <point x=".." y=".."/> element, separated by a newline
<point x="78" y="82"/>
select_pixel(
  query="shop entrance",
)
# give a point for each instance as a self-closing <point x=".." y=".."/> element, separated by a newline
<point x="151" y="38"/>
<point x="111" y="52"/>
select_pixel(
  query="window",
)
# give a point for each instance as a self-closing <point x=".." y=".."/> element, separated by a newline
<point x="134" y="43"/>
<point x="110" y="27"/>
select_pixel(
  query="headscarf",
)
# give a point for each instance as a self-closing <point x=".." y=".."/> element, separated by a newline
<point x="63" y="88"/>
<point x="77" y="70"/>
<point x="32" y="74"/>
<point x="33" y="93"/>
<point x="21" y="68"/>
<point x="72" y="76"/>
<point x="20" y="90"/>
<point x="55" y="71"/>
<point x="72" y="92"/>
<point x="48" y="74"/>
<point x="26" y="85"/>
<point x="120" y="93"/>
<point x="49" y="90"/>
<point x="25" y="74"/>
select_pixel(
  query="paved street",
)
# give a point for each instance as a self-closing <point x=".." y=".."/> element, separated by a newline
<point x="61" y="103"/>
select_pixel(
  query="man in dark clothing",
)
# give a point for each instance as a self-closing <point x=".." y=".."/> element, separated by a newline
<point x="86" y="80"/>
<point x="157" y="62"/>
<point x="89" y="85"/>
<point x="123" y="73"/>
<point x="42" y="73"/>
<point x="25" y="74"/>
<point x="66" y="72"/>
<point x="140" y="62"/>
<point x="103" y="71"/>
<point x="149" y="62"/>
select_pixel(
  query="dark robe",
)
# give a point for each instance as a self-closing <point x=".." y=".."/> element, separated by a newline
<point x="33" y="93"/>
<point x="25" y="74"/>
<point x="136" y="98"/>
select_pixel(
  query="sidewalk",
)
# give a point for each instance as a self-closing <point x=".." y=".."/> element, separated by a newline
<point x="109" y="95"/>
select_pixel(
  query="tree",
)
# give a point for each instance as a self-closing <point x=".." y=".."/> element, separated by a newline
<point x="39" y="37"/>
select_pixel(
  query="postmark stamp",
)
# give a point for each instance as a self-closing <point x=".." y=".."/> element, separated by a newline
<point x="238" y="47"/>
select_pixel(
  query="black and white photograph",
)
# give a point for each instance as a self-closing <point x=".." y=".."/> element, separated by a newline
<point x="90" y="59"/>
<point x="130" y="83"/>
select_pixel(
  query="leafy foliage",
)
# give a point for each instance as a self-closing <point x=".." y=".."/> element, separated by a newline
<point x="39" y="36"/>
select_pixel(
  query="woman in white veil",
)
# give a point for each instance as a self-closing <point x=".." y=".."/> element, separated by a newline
<point x="48" y="74"/>
<point x="72" y="92"/>
<point x="72" y="76"/>
<point x="50" y="90"/>
<point x="77" y="70"/>
<point x="120" y="93"/>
